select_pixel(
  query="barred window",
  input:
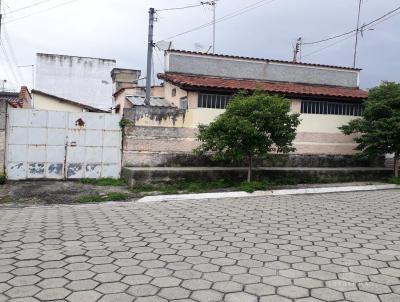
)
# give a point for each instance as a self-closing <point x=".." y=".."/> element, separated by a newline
<point x="333" y="108"/>
<point x="214" y="101"/>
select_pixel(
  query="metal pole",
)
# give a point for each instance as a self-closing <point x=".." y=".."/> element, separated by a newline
<point x="149" y="56"/>
<point x="214" y="12"/>
<point x="357" y="31"/>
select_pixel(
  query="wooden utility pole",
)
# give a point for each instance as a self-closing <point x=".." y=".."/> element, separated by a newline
<point x="149" y="56"/>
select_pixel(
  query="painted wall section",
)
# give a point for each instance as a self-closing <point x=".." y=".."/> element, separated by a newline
<point x="168" y="141"/>
<point x="211" y="65"/>
<point x="80" y="79"/>
<point x="42" y="102"/>
<point x="58" y="145"/>
<point x="323" y="123"/>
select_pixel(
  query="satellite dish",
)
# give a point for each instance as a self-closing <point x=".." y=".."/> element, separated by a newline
<point x="164" y="45"/>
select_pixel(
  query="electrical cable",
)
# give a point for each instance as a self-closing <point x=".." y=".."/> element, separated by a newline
<point x="41" y="11"/>
<point x="328" y="46"/>
<point x="13" y="57"/>
<point x="366" y="26"/>
<point x="179" y="8"/>
<point x="9" y="63"/>
<point x="354" y="30"/>
<point x="224" y="18"/>
<point x="29" y="6"/>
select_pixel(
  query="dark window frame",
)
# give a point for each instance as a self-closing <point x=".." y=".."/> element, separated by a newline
<point x="211" y="100"/>
<point x="331" y="108"/>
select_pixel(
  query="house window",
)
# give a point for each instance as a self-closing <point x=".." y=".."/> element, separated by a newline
<point x="332" y="108"/>
<point x="173" y="92"/>
<point x="213" y="101"/>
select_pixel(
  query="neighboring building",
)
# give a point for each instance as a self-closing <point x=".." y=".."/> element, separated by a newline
<point x="20" y="99"/>
<point x="80" y="79"/>
<point x="125" y="87"/>
<point x="201" y="84"/>
<point x="46" y="101"/>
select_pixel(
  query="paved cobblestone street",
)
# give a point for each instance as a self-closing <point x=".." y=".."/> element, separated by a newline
<point x="332" y="247"/>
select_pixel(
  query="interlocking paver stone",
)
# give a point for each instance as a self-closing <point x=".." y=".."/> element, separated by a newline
<point x="87" y="296"/>
<point x="53" y="294"/>
<point x="332" y="247"/>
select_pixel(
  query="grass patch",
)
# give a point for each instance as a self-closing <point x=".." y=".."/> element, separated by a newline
<point x="395" y="180"/>
<point x="183" y="187"/>
<point x="104" y="182"/>
<point x="3" y="179"/>
<point x="113" y="196"/>
<point x="252" y="186"/>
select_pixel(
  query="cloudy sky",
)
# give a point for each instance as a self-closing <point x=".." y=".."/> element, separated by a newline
<point x="117" y="29"/>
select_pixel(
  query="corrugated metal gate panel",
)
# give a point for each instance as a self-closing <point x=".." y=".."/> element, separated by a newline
<point x="57" y="145"/>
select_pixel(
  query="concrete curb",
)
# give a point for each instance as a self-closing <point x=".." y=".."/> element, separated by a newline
<point x="182" y="197"/>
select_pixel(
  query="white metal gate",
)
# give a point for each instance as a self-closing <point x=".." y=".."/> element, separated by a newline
<point x="62" y="145"/>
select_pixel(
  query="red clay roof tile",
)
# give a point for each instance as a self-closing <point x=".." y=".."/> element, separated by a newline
<point x="260" y="59"/>
<point x="198" y="81"/>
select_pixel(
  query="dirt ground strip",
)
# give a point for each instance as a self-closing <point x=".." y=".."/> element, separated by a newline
<point x="40" y="192"/>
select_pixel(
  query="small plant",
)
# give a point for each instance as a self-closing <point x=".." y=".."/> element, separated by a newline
<point x="126" y="123"/>
<point x="116" y="196"/>
<point x="252" y="186"/>
<point x="3" y="179"/>
<point x="395" y="180"/>
<point x="113" y="196"/>
<point x="104" y="182"/>
<point x="90" y="198"/>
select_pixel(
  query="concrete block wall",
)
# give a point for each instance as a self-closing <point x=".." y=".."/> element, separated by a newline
<point x="157" y="146"/>
<point x="258" y="69"/>
<point x="145" y="146"/>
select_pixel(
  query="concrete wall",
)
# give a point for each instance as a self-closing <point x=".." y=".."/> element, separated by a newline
<point x="42" y="102"/>
<point x="162" y="137"/>
<point x="3" y="120"/>
<point x="260" y="70"/>
<point x="84" y="80"/>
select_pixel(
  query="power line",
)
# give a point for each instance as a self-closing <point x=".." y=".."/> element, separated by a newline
<point x="325" y="47"/>
<point x="13" y="57"/>
<point x="179" y="8"/>
<point x="224" y="18"/>
<point x="29" y="6"/>
<point x="9" y="63"/>
<point x="354" y="30"/>
<point x="364" y="27"/>
<point x="41" y="11"/>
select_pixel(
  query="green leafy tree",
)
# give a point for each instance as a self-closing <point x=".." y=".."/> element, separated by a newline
<point x="253" y="125"/>
<point x="378" y="131"/>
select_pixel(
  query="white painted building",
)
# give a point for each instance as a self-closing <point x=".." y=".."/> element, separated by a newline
<point x="80" y="79"/>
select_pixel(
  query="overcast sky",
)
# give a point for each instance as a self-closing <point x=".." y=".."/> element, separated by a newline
<point x="117" y="29"/>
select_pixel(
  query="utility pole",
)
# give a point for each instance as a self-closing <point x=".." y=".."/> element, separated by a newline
<point x="213" y="3"/>
<point x="149" y="56"/>
<point x="357" y="32"/>
<point x="297" y="49"/>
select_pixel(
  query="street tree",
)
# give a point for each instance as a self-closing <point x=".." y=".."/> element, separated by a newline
<point x="377" y="132"/>
<point x="253" y="126"/>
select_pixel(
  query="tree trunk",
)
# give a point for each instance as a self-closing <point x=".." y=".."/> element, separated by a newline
<point x="250" y="168"/>
<point x="396" y="165"/>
